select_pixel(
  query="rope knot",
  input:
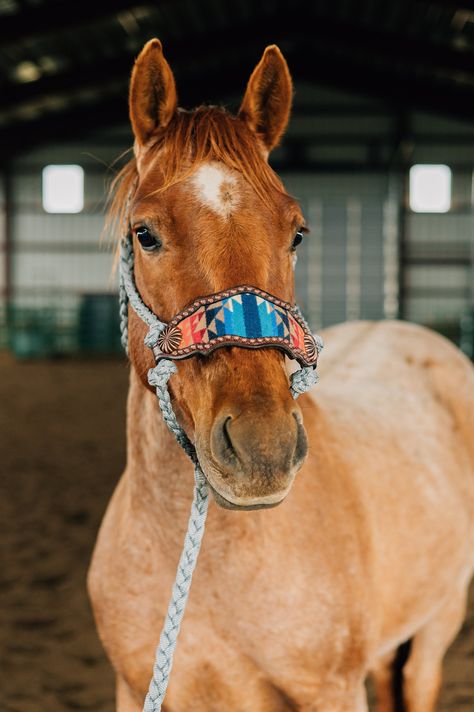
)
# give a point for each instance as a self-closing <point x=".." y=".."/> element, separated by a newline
<point x="303" y="380"/>
<point x="153" y="333"/>
<point x="159" y="376"/>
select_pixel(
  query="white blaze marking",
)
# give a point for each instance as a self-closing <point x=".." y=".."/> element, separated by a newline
<point x="216" y="187"/>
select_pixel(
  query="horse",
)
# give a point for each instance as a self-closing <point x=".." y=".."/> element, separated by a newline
<point x="343" y="523"/>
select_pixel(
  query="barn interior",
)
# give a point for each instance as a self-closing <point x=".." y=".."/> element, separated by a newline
<point x="380" y="154"/>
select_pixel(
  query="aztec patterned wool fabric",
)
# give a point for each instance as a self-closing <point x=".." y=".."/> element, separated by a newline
<point x="242" y="316"/>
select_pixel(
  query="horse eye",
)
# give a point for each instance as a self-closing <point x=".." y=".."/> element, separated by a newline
<point x="297" y="240"/>
<point x="148" y="241"/>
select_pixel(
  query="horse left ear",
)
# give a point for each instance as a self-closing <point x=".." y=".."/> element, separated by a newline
<point x="153" y="98"/>
<point x="267" y="102"/>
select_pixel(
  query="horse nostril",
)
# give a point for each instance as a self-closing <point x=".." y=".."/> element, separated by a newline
<point x="297" y="416"/>
<point x="226" y="436"/>
<point x="222" y="444"/>
<point x="301" y="448"/>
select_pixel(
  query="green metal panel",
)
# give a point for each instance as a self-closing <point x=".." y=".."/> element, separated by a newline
<point x="98" y="328"/>
<point x="93" y="328"/>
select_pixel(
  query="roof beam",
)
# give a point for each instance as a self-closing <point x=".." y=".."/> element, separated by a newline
<point x="77" y="121"/>
<point x="396" y="88"/>
<point x="376" y="44"/>
<point x="57" y="15"/>
<point x="309" y="56"/>
<point x="334" y="36"/>
<point x="352" y="74"/>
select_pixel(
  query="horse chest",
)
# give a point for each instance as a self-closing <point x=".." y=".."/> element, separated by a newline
<point x="275" y="641"/>
<point x="285" y="613"/>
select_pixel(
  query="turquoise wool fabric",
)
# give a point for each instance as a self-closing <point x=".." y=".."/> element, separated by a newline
<point x="243" y="316"/>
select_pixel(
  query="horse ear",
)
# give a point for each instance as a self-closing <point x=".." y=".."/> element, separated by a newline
<point x="267" y="102"/>
<point x="153" y="98"/>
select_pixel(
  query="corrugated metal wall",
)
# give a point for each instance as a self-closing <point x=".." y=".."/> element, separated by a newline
<point x="341" y="265"/>
<point x="438" y="263"/>
<point x="348" y="267"/>
<point x="340" y="271"/>
<point x="56" y="255"/>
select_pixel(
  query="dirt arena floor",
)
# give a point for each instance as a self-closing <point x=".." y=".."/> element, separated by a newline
<point x="61" y="451"/>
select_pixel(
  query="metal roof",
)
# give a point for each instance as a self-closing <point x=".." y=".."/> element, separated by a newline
<point x="65" y="65"/>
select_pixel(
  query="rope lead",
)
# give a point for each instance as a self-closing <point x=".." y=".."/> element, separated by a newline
<point x="158" y="377"/>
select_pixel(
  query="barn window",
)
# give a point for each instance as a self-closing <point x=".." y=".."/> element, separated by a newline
<point x="63" y="189"/>
<point x="430" y="188"/>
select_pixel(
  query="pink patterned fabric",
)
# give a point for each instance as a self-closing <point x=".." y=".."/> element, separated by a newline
<point x="242" y="316"/>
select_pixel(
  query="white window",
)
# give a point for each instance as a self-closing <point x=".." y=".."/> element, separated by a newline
<point x="63" y="189"/>
<point x="430" y="188"/>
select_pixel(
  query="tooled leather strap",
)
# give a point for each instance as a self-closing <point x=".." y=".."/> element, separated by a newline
<point x="242" y="316"/>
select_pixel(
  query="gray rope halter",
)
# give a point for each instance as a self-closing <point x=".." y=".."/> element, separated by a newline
<point x="158" y="377"/>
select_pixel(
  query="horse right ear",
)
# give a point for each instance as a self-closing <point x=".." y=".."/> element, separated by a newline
<point x="153" y="98"/>
<point x="267" y="102"/>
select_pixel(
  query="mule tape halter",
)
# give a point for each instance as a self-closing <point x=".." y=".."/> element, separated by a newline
<point x="241" y="316"/>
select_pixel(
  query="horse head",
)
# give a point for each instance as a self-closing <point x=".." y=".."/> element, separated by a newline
<point x="207" y="213"/>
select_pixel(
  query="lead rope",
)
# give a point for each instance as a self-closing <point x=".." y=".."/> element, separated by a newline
<point x="158" y="377"/>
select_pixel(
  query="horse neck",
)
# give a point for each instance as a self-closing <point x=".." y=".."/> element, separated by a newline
<point x="160" y="478"/>
<point x="159" y="472"/>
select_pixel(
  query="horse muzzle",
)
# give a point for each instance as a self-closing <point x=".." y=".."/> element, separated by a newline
<point x="250" y="460"/>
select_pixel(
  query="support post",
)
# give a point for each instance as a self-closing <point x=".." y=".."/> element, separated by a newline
<point x="7" y="244"/>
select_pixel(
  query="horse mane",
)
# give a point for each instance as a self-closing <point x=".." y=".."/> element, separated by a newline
<point x="190" y="139"/>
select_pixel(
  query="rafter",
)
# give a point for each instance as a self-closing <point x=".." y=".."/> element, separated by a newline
<point x="396" y="88"/>
<point x="324" y="32"/>
<point x="327" y="53"/>
<point x="57" y="15"/>
<point x="77" y="121"/>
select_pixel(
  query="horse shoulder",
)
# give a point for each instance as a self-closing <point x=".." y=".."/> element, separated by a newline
<point x="396" y="368"/>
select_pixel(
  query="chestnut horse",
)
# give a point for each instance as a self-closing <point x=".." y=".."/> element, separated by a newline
<point x="291" y="606"/>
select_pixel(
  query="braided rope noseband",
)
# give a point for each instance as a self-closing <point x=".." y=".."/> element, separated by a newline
<point x="297" y="344"/>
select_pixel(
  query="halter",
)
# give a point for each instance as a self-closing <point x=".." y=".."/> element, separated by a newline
<point x="245" y="317"/>
<point x="241" y="316"/>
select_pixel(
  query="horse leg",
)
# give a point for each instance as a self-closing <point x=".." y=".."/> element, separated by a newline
<point x="422" y="672"/>
<point x="382" y="674"/>
<point x="387" y="675"/>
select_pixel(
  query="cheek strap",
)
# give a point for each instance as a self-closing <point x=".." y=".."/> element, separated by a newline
<point x="242" y="316"/>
